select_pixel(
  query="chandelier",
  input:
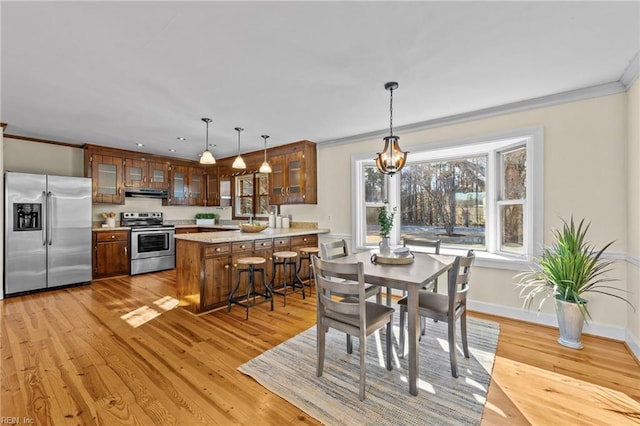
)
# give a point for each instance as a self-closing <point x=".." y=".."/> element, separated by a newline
<point x="391" y="159"/>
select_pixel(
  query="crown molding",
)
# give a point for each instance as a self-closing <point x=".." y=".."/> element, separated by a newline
<point x="630" y="74"/>
<point x="529" y="104"/>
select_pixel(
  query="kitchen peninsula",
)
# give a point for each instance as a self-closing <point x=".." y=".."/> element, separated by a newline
<point x="206" y="261"/>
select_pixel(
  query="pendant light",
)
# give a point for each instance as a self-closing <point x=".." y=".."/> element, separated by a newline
<point x="238" y="163"/>
<point x="391" y="159"/>
<point x="265" y="167"/>
<point x="207" y="156"/>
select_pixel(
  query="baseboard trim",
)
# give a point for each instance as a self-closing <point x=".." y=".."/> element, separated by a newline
<point x="596" y="329"/>
<point x="633" y="344"/>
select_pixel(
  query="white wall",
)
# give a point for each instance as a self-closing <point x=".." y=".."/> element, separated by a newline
<point x="36" y="157"/>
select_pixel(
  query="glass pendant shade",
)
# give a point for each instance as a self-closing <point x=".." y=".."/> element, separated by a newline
<point x="207" y="157"/>
<point x="239" y="163"/>
<point x="392" y="158"/>
<point x="265" y="167"/>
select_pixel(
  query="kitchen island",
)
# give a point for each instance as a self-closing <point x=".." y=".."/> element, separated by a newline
<point x="206" y="262"/>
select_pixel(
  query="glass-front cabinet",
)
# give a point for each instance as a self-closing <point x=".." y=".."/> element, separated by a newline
<point x="179" y="187"/>
<point x="196" y="186"/>
<point x="106" y="173"/>
<point x="251" y="196"/>
<point x="293" y="180"/>
<point x="158" y="175"/>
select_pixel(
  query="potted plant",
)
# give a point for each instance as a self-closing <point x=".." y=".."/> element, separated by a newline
<point x="385" y="220"/>
<point x="566" y="271"/>
<point x="206" y="218"/>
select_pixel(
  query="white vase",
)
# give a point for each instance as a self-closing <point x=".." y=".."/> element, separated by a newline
<point x="111" y="222"/>
<point x="570" y="323"/>
<point x="385" y="248"/>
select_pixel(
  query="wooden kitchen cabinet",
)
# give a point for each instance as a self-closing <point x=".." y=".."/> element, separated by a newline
<point x="110" y="253"/>
<point x="206" y="272"/>
<point x="187" y="186"/>
<point x="212" y="186"/>
<point x="106" y="172"/>
<point x="141" y="173"/>
<point x="218" y="280"/>
<point x="189" y="230"/>
<point x="294" y="174"/>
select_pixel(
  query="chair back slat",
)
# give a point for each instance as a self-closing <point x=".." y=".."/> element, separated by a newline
<point x="422" y="242"/>
<point x="329" y="277"/>
<point x="459" y="280"/>
<point x="334" y="249"/>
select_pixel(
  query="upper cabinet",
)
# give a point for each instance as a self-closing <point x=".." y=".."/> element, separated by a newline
<point x="212" y="185"/>
<point x="293" y="180"/>
<point x="107" y="176"/>
<point x="294" y="174"/>
<point x="141" y="173"/>
<point x="187" y="186"/>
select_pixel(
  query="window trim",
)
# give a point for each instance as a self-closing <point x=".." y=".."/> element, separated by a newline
<point x="533" y="138"/>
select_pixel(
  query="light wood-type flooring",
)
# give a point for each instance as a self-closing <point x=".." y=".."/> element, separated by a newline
<point x="119" y="352"/>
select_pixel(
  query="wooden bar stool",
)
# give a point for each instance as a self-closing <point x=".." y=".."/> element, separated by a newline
<point x="250" y="268"/>
<point x="285" y="258"/>
<point x="305" y="254"/>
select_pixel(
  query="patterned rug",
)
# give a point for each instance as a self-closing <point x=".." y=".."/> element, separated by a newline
<point x="289" y="370"/>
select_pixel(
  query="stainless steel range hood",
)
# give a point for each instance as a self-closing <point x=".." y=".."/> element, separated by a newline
<point x="146" y="193"/>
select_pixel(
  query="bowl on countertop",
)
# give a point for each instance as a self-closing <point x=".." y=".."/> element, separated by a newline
<point x="244" y="227"/>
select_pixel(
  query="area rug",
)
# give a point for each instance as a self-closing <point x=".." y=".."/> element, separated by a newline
<point x="289" y="370"/>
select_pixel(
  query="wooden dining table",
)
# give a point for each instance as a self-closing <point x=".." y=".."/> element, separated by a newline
<point x="410" y="277"/>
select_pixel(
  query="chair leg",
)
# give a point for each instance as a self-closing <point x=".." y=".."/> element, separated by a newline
<point x="403" y="311"/>
<point x="379" y="296"/>
<point x="363" y="358"/>
<point x="463" y="333"/>
<point x="453" y="352"/>
<point x="320" y="339"/>
<point x="349" y="344"/>
<point x="389" y="332"/>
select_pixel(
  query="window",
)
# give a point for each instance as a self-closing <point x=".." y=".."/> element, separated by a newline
<point x="478" y="194"/>
<point x="251" y="195"/>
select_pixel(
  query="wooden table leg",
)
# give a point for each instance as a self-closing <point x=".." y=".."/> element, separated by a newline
<point x="413" y="329"/>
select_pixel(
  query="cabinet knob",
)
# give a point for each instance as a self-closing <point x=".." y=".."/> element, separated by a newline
<point x="304" y="239"/>
<point x="226" y="266"/>
<point x="113" y="236"/>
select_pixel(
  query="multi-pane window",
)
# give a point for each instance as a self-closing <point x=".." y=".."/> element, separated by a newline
<point x="478" y="195"/>
<point x="251" y="195"/>
<point x="445" y="199"/>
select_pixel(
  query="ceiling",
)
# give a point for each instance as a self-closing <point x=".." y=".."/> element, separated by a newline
<point x="122" y="73"/>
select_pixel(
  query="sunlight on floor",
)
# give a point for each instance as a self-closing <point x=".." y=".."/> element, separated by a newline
<point x="145" y="314"/>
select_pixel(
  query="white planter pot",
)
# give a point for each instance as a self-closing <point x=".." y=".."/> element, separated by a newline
<point x="205" y="221"/>
<point x="570" y="323"/>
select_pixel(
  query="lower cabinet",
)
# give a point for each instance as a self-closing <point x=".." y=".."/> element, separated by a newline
<point x="207" y="272"/>
<point x="217" y="277"/>
<point x="110" y="253"/>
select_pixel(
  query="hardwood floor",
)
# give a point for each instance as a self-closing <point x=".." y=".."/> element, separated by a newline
<point x="117" y="352"/>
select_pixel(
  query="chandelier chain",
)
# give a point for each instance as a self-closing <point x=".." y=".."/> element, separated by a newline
<point x="391" y="113"/>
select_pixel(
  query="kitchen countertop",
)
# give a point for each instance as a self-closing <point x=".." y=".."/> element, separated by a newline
<point x="217" y="226"/>
<point x="233" y="236"/>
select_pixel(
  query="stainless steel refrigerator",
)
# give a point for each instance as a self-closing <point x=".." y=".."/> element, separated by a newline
<point x="47" y="231"/>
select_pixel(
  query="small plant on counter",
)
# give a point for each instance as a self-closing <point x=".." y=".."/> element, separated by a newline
<point x="206" y="216"/>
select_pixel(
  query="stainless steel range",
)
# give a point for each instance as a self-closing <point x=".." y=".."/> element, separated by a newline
<point x="152" y="242"/>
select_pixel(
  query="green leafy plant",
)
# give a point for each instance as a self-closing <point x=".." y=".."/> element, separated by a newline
<point x="568" y="270"/>
<point x="385" y="220"/>
<point x="206" y="216"/>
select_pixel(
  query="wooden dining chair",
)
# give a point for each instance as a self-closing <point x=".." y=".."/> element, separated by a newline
<point x="352" y="314"/>
<point x="449" y="308"/>
<point x="336" y="249"/>
<point x="433" y="246"/>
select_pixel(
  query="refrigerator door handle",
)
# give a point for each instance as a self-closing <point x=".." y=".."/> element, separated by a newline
<point x="44" y="228"/>
<point x="49" y="217"/>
